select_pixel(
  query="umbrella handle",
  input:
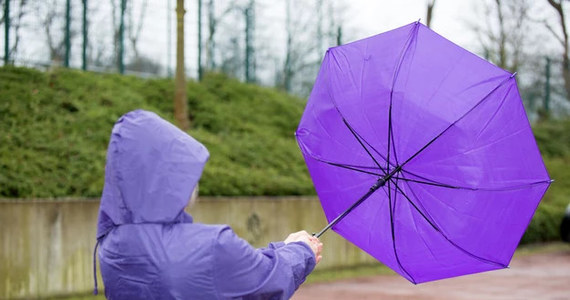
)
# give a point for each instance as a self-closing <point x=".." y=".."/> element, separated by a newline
<point x="380" y="183"/>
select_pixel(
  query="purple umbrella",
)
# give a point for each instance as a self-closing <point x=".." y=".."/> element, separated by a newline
<point x="421" y="154"/>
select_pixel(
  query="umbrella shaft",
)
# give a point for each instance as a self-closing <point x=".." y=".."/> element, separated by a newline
<point x="380" y="183"/>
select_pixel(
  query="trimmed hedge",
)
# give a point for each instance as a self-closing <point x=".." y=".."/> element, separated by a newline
<point x="56" y="127"/>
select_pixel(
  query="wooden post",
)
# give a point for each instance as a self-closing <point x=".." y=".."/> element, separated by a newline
<point x="180" y="101"/>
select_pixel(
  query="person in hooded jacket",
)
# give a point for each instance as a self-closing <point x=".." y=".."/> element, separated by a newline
<point x="149" y="247"/>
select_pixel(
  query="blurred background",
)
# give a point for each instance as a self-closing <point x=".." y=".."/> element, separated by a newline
<point x="246" y="67"/>
<point x="280" y="43"/>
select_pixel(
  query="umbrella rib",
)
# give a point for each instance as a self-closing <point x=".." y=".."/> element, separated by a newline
<point x="507" y="188"/>
<point x="393" y="231"/>
<point x="413" y="33"/>
<point x="445" y="236"/>
<point x="347" y="166"/>
<point x="416" y="208"/>
<point x="391" y="128"/>
<point x="389" y="133"/>
<point x="429" y="181"/>
<point x="374" y="149"/>
<point x="435" y="184"/>
<point x="459" y="119"/>
<point x="422" y="177"/>
<point x="356" y="136"/>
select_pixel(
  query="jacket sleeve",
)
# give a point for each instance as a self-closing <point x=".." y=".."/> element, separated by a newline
<point x="267" y="273"/>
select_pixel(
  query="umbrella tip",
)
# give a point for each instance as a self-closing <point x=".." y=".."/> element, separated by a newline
<point x="301" y="132"/>
<point x="514" y="74"/>
<point x="418" y="21"/>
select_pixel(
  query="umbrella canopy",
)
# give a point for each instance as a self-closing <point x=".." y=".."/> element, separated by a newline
<point x="422" y="154"/>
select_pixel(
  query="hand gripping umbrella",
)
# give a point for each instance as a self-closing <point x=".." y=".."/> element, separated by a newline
<point x="421" y="154"/>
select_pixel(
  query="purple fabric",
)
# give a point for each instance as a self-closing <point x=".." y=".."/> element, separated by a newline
<point x="471" y="174"/>
<point x="151" y="249"/>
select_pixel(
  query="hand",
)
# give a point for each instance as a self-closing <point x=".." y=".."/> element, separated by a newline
<point x="313" y="242"/>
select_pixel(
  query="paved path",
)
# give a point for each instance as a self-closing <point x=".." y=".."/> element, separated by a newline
<point x="531" y="276"/>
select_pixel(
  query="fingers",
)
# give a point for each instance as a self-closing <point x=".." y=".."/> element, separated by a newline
<point x="313" y="242"/>
<point x="297" y="236"/>
<point x="318" y="255"/>
<point x="317" y="247"/>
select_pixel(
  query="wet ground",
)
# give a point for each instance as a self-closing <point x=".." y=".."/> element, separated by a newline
<point x="540" y="275"/>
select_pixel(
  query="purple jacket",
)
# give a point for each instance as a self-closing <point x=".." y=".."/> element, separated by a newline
<point x="149" y="248"/>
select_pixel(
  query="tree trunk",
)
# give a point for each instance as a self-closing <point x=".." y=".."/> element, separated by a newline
<point x="564" y="41"/>
<point x="249" y="43"/>
<point x="502" y="42"/>
<point x="135" y="32"/>
<point x="180" y="103"/>
<point x="200" y="70"/>
<point x="430" y="5"/>
<point x="6" y="32"/>
<point x="288" y="70"/>
<point x="211" y="32"/>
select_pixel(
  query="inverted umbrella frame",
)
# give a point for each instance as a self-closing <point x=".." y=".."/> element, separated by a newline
<point x="391" y="171"/>
<point x="388" y="174"/>
<point x="386" y="177"/>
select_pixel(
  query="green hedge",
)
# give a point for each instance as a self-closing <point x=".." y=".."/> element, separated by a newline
<point x="55" y="127"/>
<point x="553" y="139"/>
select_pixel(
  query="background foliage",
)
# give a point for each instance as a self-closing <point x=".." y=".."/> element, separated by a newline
<point x="55" y="129"/>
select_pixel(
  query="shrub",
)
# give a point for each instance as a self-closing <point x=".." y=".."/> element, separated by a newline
<point x="56" y="128"/>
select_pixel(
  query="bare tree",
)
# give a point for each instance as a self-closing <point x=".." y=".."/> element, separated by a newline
<point x="336" y="11"/>
<point x="97" y="51"/>
<point x="300" y="46"/>
<point x="500" y="38"/>
<point x="134" y="28"/>
<point x="504" y="34"/>
<point x="16" y="24"/>
<point x="320" y="17"/>
<point x="50" y="13"/>
<point x="563" y="40"/>
<point x="288" y="67"/>
<point x="115" y="11"/>
<point x="430" y="5"/>
<point x="231" y="58"/>
<point x="213" y="24"/>
<point x="249" y="14"/>
<point x="231" y="42"/>
<point x="304" y="39"/>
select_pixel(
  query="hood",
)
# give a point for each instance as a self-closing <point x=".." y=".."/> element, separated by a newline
<point x="152" y="168"/>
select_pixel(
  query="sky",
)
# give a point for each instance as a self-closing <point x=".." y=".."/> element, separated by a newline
<point x="449" y="17"/>
<point x="362" y="18"/>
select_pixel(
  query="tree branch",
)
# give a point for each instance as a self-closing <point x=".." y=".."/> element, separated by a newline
<point x="556" y="36"/>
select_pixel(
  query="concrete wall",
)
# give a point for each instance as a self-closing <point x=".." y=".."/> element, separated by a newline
<point x="47" y="245"/>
